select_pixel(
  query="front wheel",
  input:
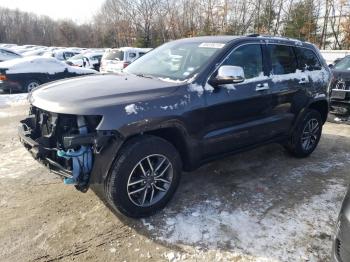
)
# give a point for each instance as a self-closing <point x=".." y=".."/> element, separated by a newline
<point x="144" y="176"/>
<point x="306" y="135"/>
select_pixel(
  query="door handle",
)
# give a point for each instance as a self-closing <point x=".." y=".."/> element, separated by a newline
<point x="262" y="87"/>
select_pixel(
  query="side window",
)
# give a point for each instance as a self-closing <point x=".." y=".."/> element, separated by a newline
<point x="307" y="59"/>
<point x="132" y="55"/>
<point x="283" y="59"/>
<point x="249" y="57"/>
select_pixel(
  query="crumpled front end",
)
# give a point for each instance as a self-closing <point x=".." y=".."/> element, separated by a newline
<point x="66" y="144"/>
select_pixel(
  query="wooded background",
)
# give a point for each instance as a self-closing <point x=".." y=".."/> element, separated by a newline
<point x="149" y="23"/>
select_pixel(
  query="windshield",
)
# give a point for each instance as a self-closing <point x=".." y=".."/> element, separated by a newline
<point x="343" y="64"/>
<point x="174" y="60"/>
<point x="114" y="55"/>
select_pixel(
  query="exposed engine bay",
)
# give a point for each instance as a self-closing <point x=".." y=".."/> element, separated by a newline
<point x="64" y="143"/>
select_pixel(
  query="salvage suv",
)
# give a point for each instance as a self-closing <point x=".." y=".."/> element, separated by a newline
<point x="129" y="136"/>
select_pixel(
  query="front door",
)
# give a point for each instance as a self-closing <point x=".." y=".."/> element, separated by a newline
<point x="239" y="115"/>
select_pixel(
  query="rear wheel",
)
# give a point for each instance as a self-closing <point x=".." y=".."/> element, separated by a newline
<point x="30" y="85"/>
<point x="144" y="177"/>
<point x="306" y="135"/>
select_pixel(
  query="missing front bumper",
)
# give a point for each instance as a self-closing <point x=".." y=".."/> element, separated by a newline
<point x="38" y="151"/>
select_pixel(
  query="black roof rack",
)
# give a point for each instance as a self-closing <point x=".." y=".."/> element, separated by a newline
<point x="276" y="37"/>
<point x="253" y="35"/>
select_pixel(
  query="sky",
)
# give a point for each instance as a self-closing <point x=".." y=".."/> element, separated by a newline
<point x="79" y="11"/>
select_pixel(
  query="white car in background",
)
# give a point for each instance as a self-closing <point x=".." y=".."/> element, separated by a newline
<point x="116" y="59"/>
<point x="25" y="48"/>
<point x="10" y="46"/>
<point x="7" y="54"/>
<point x="61" y="54"/>
<point x="27" y="73"/>
<point x="37" y="52"/>
<point x="90" y="60"/>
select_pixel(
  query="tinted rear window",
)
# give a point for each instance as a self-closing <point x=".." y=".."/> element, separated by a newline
<point x="283" y="59"/>
<point x="307" y="59"/>
<point x="114" y="55"/>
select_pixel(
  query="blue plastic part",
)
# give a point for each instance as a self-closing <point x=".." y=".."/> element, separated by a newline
<point x="81" y="159"/>
<point x="69" y="181"/>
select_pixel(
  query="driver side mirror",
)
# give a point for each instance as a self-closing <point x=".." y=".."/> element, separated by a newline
<point x="228" y="75"/>
<point x="331" y="66"/>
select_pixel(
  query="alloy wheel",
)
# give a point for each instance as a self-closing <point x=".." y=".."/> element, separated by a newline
<point x="150" y="180"/>
<point x="310" y="134"/>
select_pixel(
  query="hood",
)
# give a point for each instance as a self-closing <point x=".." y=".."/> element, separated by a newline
<point x="91" y="95"/>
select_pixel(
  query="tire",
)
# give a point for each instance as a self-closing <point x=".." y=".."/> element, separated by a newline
<point x="302" y="143"/>
<point x="127" y="172"/>
<point x="30" y="85"/>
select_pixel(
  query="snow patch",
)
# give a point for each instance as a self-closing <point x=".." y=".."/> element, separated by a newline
<point x="183" y="102"/>
<point x="13" y="100"/>
<point x="177" y="81"/>
<point x="133" y="109"/>
<point x="255" y="232"/>
<point x="196" y="88"/>
<point x="315" y="76"/>
<point x="208" y="88"/>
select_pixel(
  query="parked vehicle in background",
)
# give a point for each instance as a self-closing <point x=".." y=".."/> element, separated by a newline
<point x="8" y="45"/>
<point x="129" y="136"/>
<point x="115" y="60"/>
<point x="37" y="52"/>
<point x="88" y="60"/>
<point x="340" y="89"/>
<point x="24" y="48"/>
<point x="24" y="74"/>
<point x="7" y="54"/>
<point x="61" y="54"/>
<point x="332" y="55"/>
<point x="341" y="240"/>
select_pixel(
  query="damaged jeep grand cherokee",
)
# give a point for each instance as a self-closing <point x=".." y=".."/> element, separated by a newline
<point x="129" y="136"/>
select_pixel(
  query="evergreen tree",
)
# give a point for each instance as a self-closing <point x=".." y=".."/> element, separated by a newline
<point x="302" y="22"/>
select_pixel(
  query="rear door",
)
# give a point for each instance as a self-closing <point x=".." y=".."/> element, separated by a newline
<point x="288" y="85"/>
<point x="239" y="115"/>
<point x="310" y="64"/>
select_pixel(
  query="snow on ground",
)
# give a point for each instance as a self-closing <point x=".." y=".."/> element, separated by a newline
<point x="269" y="233"/>
<point x="12" y="100"/>
<point x="251" y="231"/>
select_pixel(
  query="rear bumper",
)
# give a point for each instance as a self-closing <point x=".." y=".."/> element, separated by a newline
<point x="10" y="86"/>
<point x="38" y="151"/>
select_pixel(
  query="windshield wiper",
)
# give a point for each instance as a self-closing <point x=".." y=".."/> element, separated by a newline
<point x="145" y="76"/>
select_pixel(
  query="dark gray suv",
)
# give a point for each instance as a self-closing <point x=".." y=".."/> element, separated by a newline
<point x="129" y="136"/>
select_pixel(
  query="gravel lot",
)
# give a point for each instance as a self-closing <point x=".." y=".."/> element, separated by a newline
<point x="261" y="205"/>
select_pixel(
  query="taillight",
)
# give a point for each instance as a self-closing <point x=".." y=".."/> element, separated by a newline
<point x="3" y="77"/>
<point x="125" y="64"/>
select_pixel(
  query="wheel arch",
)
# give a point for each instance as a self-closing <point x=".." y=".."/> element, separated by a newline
<point x="175" y="135"/>
<point x="322" y="107"/>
